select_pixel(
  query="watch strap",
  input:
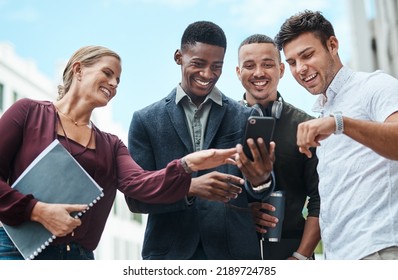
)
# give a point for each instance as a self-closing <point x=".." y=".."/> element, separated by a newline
<point x="184" y="164"/>
<point x="301" y="257"/>
<point x="262" y="187"/>
<point x="338" y="118"/>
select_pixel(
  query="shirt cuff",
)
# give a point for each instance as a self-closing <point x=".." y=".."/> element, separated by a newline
<point x="263" y="192"/>
<point x="262" y="187"/>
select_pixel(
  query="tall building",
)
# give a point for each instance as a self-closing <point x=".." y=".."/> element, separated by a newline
<point x="19" y="78"/>
<point x="375" y="35"/>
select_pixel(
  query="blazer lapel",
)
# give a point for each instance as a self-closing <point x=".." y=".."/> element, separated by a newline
<point x="214" y="121"/>
<point x="178" y="120"/>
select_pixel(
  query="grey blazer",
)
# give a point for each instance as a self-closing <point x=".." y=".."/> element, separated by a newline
<point x="159" y="134"/>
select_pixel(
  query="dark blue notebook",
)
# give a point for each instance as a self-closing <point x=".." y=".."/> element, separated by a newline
<point x="53" y="177"/>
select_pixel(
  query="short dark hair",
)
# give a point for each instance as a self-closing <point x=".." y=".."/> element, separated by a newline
<point x="303" y="22"/>
<point x="259" y="39"/>
<point x="204" y="32"/>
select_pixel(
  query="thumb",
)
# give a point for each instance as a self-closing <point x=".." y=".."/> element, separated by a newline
<point x="75" y="207"/>
<point x="305" y="151"/>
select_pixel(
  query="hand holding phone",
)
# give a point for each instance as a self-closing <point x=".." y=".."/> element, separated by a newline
<point x="258" y="127"/>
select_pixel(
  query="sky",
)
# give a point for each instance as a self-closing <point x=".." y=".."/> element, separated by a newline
<point x="146" y="33"/>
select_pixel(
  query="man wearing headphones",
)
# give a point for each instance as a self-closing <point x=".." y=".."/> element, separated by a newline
<point x="260" y="69"/>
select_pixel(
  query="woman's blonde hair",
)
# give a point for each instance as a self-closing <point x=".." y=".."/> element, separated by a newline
<point x="87" y="56"/>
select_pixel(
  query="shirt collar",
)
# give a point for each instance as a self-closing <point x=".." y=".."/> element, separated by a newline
<point x="342" y="76"/>
<point x="214" y="95"/>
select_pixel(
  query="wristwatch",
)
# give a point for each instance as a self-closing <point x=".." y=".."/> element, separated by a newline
<point x="184" y="164"/>
<point x="262" y="187"/>
<point x="338" y="118"/>
<point x="301" y="257"/>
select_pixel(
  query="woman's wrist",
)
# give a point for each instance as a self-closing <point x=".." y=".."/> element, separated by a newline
<point x="185" y="165"/>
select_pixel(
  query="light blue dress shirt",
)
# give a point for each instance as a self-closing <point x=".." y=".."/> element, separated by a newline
<point x="358" y="187"/>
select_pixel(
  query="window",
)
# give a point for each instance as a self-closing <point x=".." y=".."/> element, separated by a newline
<point x="15" y="97"/>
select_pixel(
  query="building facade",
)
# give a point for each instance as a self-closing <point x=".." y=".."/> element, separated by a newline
<point x="374" y="30"/>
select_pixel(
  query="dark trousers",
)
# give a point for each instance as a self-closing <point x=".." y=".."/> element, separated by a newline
<point x="280" y="250"/>
<point x="72" y="251"/>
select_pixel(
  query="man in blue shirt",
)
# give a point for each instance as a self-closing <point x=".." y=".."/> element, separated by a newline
<point x="356" y="138"/>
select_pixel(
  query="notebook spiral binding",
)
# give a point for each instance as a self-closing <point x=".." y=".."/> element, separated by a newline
<point x="51" y="239"/>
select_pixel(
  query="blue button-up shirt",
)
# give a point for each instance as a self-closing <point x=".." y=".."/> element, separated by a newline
<point x="358" y="187"/>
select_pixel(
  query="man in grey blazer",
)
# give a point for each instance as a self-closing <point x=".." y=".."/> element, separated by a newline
<point x="214" y="221"/>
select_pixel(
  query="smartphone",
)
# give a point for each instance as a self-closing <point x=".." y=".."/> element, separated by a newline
<point x="258" y="127"/>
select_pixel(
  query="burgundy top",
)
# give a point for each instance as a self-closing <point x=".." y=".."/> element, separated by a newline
<point x="29" y="126"/>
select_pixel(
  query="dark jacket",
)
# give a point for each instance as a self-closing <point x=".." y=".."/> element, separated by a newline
<point x="158" y="134"/>
<point x="296" y="174"/>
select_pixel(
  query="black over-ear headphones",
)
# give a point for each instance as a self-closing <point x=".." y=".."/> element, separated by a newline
<point x="273" y="109"/>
